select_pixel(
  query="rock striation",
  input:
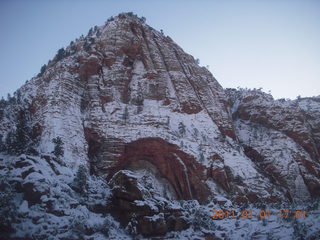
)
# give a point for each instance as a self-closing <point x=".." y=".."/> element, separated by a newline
<point x="136" y="110"/>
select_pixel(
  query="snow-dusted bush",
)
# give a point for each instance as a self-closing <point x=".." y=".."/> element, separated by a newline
<point x="8" y="213"/>
<point x="58" y="150"/>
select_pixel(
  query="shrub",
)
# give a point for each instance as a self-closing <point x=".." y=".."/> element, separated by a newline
<point x="58" y="147"/>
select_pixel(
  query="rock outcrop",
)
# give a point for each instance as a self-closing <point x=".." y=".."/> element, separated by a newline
<point x="282" y="138"/>
<point x="136" y="110"/>
<point x="139" y="201"/>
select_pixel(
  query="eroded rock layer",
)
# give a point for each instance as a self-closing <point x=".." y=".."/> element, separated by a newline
<point x="127" y="97"/>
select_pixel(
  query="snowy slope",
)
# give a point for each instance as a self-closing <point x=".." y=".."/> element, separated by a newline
<point x="148" y="134"/>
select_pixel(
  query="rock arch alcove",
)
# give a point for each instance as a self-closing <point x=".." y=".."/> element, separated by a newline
<point x="182" y="171"/>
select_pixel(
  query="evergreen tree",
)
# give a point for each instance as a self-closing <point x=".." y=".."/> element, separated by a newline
<point x="22" y="134"/>
<point x="139" y="102"/>
<point x="60" y="54"/>
<point x="80" y="182"/>
<point x="2" y="145"/>
<point x="255" y="133"/>
<point x="281" y="154"/>
<point x="182" y="129"/>
<point x="18" y="96"/>
<point x="18" y="140"/>
<point x="58" y="147"/>
<point x="201" y="157"/>
<point x="21" y="139"/>
<point x="204" y="137"/>
<point x="299" y="229"/>
<point x="139" y="109"/>
<point x="87" y="46"/>
<point x="90" y="31"/>
<point x="42" y="70"/>
<point x="138" y="99"/>
<point x="125" y="115"/>
<point x="10" y="99"/>
<point x="8" y="209"/>
<point x="3" y="104"/>
<point x="196" y="132"/>
<point x="9" y="142"/>
<point x="168" y="121"/>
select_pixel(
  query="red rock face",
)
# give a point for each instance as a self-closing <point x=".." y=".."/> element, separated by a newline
<point x="166" y="72"/>
<point x="180" y="169"/>
<point x="121" y="94"/>
<point x="219" y="175"/>
<point x="289" y="120"/>
<point x="89" y="67"/>
<point x="265" y="124"/>
<point x="183" y="172"/>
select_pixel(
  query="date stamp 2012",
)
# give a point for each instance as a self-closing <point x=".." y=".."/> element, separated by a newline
<point x="262" y="214"/>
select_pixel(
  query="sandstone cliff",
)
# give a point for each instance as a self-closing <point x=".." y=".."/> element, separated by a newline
<point x="141" y="115"/>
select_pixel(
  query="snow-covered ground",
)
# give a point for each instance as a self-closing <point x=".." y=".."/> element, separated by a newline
<point x="63" y="213"/>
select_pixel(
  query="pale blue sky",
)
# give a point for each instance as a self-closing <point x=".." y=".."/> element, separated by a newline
<point x="274" y="44"/>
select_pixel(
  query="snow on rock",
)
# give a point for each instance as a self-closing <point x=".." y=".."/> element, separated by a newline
<point x="280" y="137"/>
<point x="149" y="138"/>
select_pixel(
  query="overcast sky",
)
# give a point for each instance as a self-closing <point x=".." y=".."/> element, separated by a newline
<point x="273" y="44"/>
